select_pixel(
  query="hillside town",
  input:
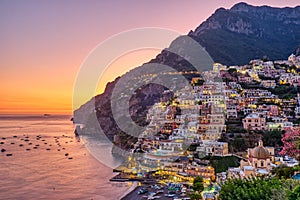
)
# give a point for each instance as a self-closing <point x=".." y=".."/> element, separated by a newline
<point x="228" y="124"/>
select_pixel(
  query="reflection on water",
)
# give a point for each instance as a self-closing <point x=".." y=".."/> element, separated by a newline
<point x="48" y="162"/>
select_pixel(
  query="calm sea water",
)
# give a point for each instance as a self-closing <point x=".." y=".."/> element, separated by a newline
<point x="43" y="160"/>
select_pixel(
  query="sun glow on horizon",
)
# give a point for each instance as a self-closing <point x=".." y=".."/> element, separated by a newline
<point x="60" y="101"/>
<point x="43" y="44"/>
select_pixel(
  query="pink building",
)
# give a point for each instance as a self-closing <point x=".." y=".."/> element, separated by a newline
<point x="254" y="121"/>
<point x="274" y="112"/>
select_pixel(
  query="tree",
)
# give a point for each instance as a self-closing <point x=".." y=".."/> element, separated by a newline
<point x="198" y="184"/>
<point x="239" y="144"/>
<point x="284" y="171"/>
<point x="291" y="143"/>
<point x="295" y="194"/>
<point x="195" y="196"/>
<point x="273" y="138"/>
<point x="282" y="193"/>
<point x="198" y="179"/>
<point x="198" y="187"/>
<point x="249" y="188"/>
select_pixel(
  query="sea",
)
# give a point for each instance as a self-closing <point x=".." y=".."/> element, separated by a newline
<point x="41" y="158"/>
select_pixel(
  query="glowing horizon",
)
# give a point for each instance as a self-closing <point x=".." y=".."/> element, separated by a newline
<point x="45" y="42"/>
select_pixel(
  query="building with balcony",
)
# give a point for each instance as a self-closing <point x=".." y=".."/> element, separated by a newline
<point x="254" y="121"/>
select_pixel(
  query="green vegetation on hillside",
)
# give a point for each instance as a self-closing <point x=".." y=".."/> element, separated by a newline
<point x="285" y="91"/>
<point x="221" y="164"/>
<point x="284" y="171"/>
<point x="198" y="187"/>
<point x="258" y="188"/>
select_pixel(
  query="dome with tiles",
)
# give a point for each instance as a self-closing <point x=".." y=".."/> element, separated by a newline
<point x="260" y="152"/>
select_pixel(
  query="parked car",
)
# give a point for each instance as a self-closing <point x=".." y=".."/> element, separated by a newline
<point x="142" y="191"/>
<point x="169" y="195"/>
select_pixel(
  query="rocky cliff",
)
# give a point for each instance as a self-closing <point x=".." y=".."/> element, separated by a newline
<point x="232" y="36"/>
<point x="244" y="32"/>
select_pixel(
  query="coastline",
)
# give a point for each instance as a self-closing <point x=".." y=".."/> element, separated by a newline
<point x="129" y="190"/>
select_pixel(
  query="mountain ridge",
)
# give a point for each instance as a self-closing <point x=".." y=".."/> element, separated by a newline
<point x="254" y="31"/>
<point x="231" y="36"/>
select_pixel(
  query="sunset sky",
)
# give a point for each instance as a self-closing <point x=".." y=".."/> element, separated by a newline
<point x="44" y="43"/>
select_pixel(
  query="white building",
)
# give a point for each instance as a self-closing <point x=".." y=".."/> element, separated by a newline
<point x="213" y="148"/>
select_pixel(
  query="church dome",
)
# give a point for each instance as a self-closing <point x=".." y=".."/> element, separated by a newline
<point x="260" y="152"/>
